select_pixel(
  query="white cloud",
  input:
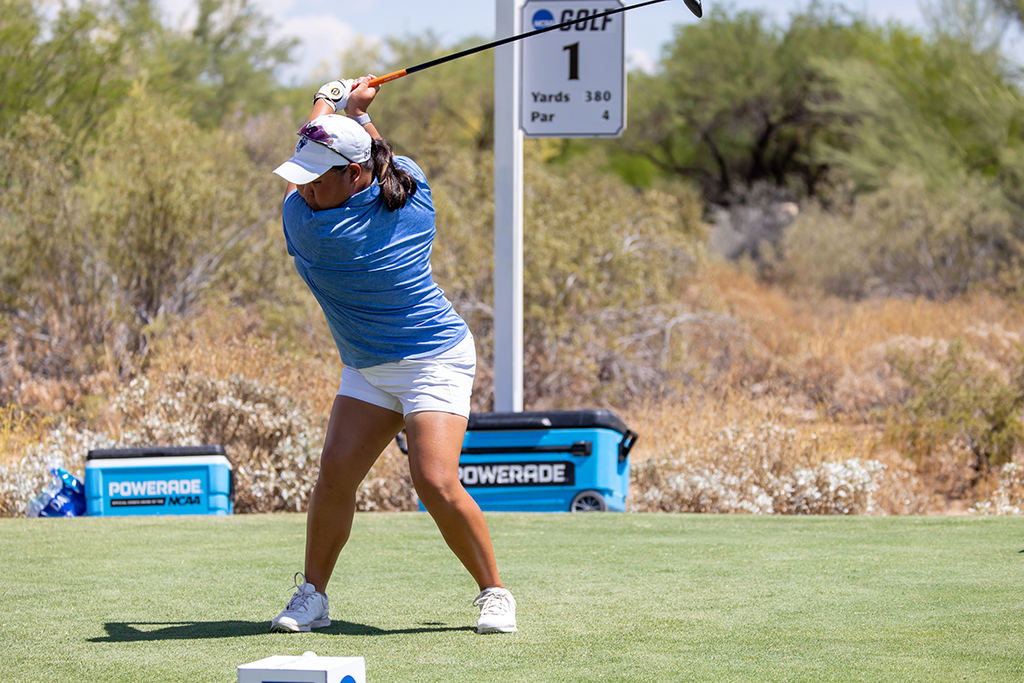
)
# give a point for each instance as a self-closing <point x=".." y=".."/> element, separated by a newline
<point x="274" y="8"/>
<point x="322" y="40"/>
<point x="322" y="37"/>
<point x="905" y="11"/>
<point x="641" y="59"/>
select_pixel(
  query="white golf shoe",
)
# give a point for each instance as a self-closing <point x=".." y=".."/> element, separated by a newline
<point x="497" y="611"/>
<point x="307" y="609"/>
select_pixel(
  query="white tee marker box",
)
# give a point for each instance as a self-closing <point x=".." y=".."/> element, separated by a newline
<point x="305" y="669"/>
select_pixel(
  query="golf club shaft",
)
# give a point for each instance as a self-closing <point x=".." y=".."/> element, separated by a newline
<point x="480" y="48"/>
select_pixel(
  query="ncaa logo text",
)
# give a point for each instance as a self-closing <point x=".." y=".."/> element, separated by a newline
<point x="543" y="18"/>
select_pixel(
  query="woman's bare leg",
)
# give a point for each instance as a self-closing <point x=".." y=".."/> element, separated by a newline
<point x="435" y="443"/>
<point x="356" y="436"/>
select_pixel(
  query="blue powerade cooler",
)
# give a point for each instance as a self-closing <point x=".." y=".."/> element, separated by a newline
<point x="184" y="480"/>
<point x="550" y="461"/>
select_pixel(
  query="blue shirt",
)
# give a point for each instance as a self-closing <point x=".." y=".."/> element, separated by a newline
<point x="370" y="270"/>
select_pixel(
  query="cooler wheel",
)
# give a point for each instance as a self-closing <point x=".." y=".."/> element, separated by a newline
<point x="588" y="501"/>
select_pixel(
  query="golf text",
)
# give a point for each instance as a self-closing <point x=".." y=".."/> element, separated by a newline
<point x="596" y="23"/>
<point x="543" y="19"/>
<point x="159" y="487"/>
<point x="518" y="474"/>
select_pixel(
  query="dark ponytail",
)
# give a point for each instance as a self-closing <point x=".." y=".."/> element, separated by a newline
<point x="396" y="186"/>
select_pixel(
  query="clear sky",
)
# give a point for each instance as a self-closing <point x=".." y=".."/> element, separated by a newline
<point x="327" y="26"/>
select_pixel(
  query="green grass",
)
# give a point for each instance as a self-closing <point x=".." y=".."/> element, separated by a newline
<point x="601" y="598"/>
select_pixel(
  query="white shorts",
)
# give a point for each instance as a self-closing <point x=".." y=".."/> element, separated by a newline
<point x="441" y="383"/>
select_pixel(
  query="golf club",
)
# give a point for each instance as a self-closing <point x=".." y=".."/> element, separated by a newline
<point x="693" y="5"/>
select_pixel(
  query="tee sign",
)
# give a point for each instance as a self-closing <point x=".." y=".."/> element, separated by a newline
<point x="574" y="78"/>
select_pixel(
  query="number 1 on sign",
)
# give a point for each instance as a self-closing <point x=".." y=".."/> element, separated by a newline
<point x="574" y="61"/>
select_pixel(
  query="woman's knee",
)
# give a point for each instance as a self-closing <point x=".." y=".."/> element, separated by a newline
<point x="339" y="474"/>
<point x="356" y="436"/>
<point x="434" y="489"/>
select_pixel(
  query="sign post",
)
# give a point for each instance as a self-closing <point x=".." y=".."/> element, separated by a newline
<point x="565" y="83"/>
<point x="508" y="216"/>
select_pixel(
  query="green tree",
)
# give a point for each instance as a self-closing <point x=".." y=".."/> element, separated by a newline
<point x="226" y="61"/>
<point x="938" y="106"/>
<point x="1011" y="9"/>
<point x="71" y="67"/>
<point x="740" y="100"/>
<point x="735" y="101"/>
<point x="79" y="65"/>
<point x="982" y="23"/>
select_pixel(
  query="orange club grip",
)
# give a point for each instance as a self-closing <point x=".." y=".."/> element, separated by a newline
<point x="393" y="76"/>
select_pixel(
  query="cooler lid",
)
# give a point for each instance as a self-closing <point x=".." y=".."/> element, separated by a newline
<point x="154" y="452"/>
<point x="547" y="419"/>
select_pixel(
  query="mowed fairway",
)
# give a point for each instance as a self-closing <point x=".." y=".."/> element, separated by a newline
<point x="609" y="597"/>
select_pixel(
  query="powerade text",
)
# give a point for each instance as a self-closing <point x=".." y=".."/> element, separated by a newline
<point x="159" y="487"/>
<point x="518" y="474"/>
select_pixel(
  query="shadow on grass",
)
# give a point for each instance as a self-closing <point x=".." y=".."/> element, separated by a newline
<point x="347" y="628"/>
<point x="130" y="631"/>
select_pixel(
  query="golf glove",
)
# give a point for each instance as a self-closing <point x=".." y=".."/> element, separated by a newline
<point x="335" y="92"/>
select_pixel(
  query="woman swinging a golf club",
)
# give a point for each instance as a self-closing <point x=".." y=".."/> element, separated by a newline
<point x="359" y="223"/>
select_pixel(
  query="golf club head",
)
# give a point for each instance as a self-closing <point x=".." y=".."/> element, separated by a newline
<point x="694" y="6"/>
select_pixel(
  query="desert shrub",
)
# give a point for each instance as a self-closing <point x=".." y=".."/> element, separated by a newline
<point x="463" y="257"/>
<point x="22" y="479"/>
<point x="18" y="427"/>
<point x="275" y="445"/>
<point x="273" y="441"/>
<point x="958" y="401"/>
<point x="603" y="269"/>
<point x="166" y="216"/>
<point x="603" y="273"/>
<point x="95" y="256"/>
<point x="1008" y="498"/>
<point x="739" y="451"/>
<point x="54" y="295"/>
<point x="218" y="379"/>
<point x="904" y="239"/>
<point x="169" y="205"/>
<point x="69" y="62"/>
<point x="766" y="469"/>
